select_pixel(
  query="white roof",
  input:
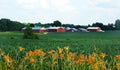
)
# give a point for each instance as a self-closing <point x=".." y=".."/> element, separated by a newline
<point x="68" y="28"/>
<point x="92" y="27"/>
<point x="55" y="27"/>
<point x="35" y="28"/>
<point x="43" y="28"/>
<point x="82" y="29"/>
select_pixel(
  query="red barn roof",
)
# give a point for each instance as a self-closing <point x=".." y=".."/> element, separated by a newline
<point x="94" y="29"/>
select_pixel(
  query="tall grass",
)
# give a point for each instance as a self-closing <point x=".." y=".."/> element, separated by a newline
<point x="108" y="42"/>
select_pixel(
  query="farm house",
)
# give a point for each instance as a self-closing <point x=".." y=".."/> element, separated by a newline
<point x="94" y="29"/>
<point x="35" y="29"/>
<point x="56" y="29"/>
<point x="68" y="29"/>
<point x="82" y="30"/>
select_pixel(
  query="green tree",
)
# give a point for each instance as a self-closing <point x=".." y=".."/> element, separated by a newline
<point x="32" y="25"/>
<point x="8" y="25"/>
<point x="117" y="24"/>
<point x="29" y="34"/>
<point x="57" y="23"/>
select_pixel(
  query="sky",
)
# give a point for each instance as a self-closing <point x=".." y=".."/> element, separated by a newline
<point x="78" y="12"/>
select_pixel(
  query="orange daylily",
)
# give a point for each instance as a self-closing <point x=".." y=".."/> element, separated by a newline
<point x="117" y="66"/>
<point x="117" y="57"/>
<point x="79" y="61"/>
<point x="32" y="60"/>
<point x="54" y="56"/>
<point x="50" y="52"/>
<point x="90" y="60"/>
<point x="30" y="53"/>
<point x="21" y="48"/>
<point x="82" y="56"/>
<point x="100" y="62"/>
<point x="102" y="55"/>
<point x="94" y="67"/>
<point x="61" y="56"/>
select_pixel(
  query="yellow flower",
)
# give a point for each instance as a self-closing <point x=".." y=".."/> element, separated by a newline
<point x="71" y="57"/>
<point x="2" y="54"/>
<point x="60" y="50"/>
<point x="42" y="54"/>
<point x="117" y="57"/>
<point x="100" y="62"/>
<point x="8" y="59"/>
<point x="70" y="54"/>
<point x="95" y="67"/>
<point x="25" y="58"/>
<point x="103" y="68"/>
<point x="102" y="55"/>
<point x="66" y="47"/>
<point x="9" y="65"/>
<point x="94" y="54"/>
<point x="21" y="48"/>
<point x="32" y="60"/>
<point x="117" y="66"/>
<point x="55" y="62"/>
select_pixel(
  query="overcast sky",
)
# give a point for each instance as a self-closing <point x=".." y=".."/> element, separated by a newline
<point x="80" y="12"/>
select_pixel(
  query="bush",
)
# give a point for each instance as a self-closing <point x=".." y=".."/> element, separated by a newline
<point x="29" y="34"/>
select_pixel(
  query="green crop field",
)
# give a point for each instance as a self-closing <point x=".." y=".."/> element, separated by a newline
<point x="61" y="51"/>
<point x="82" y="42"/>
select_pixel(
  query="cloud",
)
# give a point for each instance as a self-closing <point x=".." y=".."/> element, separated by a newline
<point x="58" y="5"/>
<point x="28" y="4"/>
<point x="67" y="11"/>
<point x="63" y="5"/>
<point x="48" y="10"/>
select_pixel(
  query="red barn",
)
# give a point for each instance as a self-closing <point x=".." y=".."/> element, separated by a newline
<point x="41" y="30"/>
<point x="56" y="29"/>
<point x="94" y="29"/>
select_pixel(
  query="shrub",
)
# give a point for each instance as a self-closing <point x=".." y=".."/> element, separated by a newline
<point x="29" y="34"/>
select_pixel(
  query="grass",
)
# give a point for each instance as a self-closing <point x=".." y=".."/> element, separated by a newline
<point x="108" y="42"/>
<point x="79" y="42"/>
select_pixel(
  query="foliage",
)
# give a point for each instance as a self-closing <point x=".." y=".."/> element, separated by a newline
<point x="59" y="59"/>
<point x="29" y="34"/>
<point x="8" y="25"/>
<point x="56" y="23"/>
<point x="117" y="24"/>
<point x="104" y="27"/>
<point x="80" y="41"/>
<point x="32" y="25"/>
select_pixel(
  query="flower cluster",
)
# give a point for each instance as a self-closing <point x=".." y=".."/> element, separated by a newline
<point x="60" y="59"/>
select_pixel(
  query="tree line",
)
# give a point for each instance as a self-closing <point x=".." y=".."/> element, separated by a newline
<point x="9" y="25"/>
